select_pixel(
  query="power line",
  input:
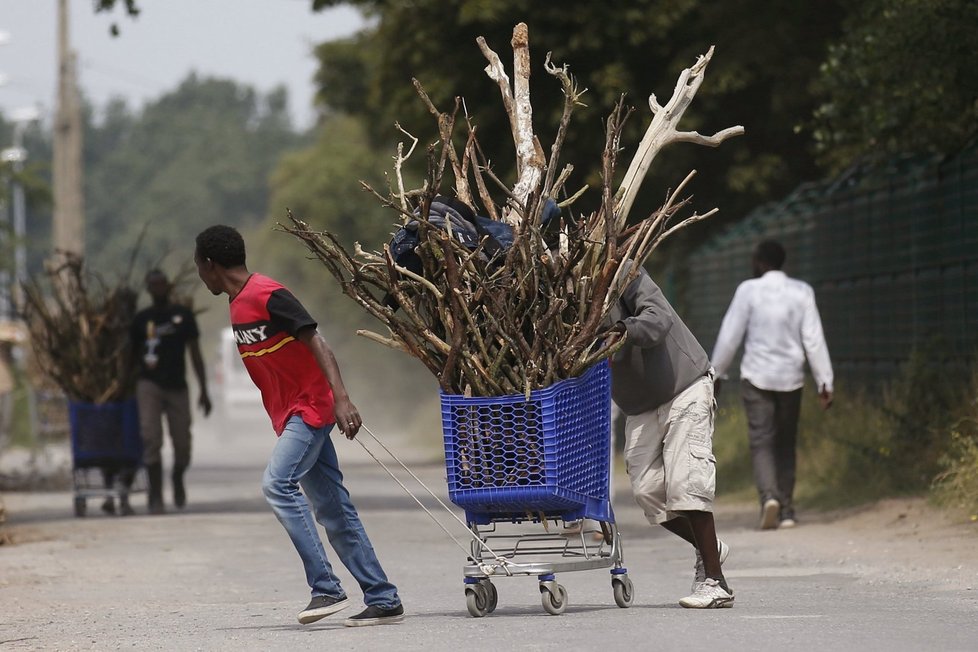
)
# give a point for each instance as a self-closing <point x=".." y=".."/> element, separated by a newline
<point x="128" y="76"/>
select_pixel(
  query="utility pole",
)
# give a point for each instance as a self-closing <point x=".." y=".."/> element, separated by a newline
<point x="69" y="200"/>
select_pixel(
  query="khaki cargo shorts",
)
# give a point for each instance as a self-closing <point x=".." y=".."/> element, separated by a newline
<point x="669" y="454"/>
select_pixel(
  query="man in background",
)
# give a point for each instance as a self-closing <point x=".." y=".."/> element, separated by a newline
<point x="778" y="320"/>
<point x="161" y="334"/>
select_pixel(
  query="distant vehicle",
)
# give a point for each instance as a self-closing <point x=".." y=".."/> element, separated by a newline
<point x="235" y="387"/>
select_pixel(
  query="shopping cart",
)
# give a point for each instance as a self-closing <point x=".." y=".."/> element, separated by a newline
<point x="105" y="443"/>
<point x="543" y="461"/>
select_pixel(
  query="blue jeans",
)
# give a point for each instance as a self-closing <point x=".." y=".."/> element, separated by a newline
<point x="305" y="456"/>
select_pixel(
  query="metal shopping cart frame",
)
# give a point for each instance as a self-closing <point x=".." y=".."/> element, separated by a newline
<point x="541" y="460"/>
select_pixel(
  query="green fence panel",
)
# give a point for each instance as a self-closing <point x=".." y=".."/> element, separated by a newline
<point x="892" y="254"/>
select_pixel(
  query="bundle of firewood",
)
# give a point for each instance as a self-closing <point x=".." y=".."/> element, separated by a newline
<point x="80" y="332"/>
<point x="524" y="302"/>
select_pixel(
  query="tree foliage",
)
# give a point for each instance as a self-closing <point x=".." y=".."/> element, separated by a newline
<point x="817" y="84"/>
<point x="201" y="154"/>
<point x="903" y="79"/>
<point x="320" y="183"/>
<point x="764" y="64"/>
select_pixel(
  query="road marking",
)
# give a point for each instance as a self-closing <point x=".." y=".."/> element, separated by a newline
<point x="789" y="571"/>
<point x="782" y="617"/>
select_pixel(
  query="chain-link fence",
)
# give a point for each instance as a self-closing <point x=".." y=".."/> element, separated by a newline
<point x="892" y="253"/>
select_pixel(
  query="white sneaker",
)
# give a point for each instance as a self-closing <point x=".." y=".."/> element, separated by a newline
<point x="770" y="513"/>
<point x="699" y="570"/>
<point x="787" y="523"/>
<point x="709" y="594"/>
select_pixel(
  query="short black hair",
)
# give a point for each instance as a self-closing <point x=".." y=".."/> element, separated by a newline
<point x="771" y="253"/>
<point x="156" y="272"/>
<point x="223" y="245"/>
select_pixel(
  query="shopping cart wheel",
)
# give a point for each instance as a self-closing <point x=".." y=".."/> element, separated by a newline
<point x="477" y="600"/>
<point x="492" y="597"/>
<point x="624" y="591"/>
<point x="554" y="599"/>
<point x="79" y="506"/>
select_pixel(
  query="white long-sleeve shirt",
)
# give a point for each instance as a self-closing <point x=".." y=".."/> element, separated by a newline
<point x="779" y="317"/>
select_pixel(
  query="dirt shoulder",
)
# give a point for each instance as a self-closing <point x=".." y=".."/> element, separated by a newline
<point x="897" y="539"/>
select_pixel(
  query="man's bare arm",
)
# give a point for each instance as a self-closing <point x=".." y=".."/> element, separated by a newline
<point x="347" y="417"/>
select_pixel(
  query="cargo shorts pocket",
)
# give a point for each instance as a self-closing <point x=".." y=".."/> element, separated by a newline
<point x="702" y="472"/>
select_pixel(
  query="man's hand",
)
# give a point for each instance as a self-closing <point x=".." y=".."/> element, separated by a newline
<point x="205" y="402"/>
<point x="616" y="332"/>
<point x="347" y="417"/>
<point x="825" y="398"/>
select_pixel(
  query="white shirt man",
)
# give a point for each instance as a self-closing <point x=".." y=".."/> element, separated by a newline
<point x="777" y="319"/>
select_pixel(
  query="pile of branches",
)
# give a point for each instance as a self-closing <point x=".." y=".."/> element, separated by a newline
<point x="492" y="323"/>
<point x="80" y="331"/>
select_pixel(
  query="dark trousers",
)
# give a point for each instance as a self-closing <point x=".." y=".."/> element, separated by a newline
<point x="772" y="427"/>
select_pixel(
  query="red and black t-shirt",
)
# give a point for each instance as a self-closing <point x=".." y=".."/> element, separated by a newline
<point x="265" y="318"/>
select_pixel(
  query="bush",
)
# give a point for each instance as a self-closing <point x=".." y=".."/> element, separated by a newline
<point x="956" y="486"/>
<point x="872" y="444"/>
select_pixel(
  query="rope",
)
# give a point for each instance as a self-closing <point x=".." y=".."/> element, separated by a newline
<point x="486" y="569"/>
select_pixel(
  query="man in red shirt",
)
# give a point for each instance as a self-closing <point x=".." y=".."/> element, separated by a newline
<point x="304" y="395"/>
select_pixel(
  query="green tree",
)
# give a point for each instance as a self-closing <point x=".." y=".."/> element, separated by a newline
<point x="35" y="180"/>
<point x="903" y="79"/>
<point x="320" y="185"/>
<point x="760" y="77"/>
<point x="201" y="154"/>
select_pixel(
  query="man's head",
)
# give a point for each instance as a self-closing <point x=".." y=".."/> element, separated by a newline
<point x="768" y="255"/>
<point x="158" y="286"/>
<point x="219" y="249"/>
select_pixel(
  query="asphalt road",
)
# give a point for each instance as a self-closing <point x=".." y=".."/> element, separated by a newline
<point x="222" y="575"/>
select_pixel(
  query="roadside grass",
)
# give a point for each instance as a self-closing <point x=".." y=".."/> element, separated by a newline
<point x="918" y="435"/>
<point x="956" y="486"/>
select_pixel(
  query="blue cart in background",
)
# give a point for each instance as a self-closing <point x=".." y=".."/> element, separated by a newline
<point x="543" y="461"/>
<point x="106" y="449"/>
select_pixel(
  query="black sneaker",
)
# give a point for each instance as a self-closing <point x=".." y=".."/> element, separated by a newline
<point x="179" y="493"/>
<point x="321" y="606"/>
<point x="376" y="616"/>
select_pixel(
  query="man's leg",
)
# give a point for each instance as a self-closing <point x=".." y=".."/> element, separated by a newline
<point x="295" y="453"/>
<point x="178" y="419"/>
<point x="761" y="430"/>
<point x="643" y="463"/>
<point x="693" y="529"/>
<point x="150" y="399"/>
<point x="108" y="481"/>
<point x="694" y="526"/>
<point x="785" y="449"/>
<point x="690" y="471"/>
<point x="335" y="511"/>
